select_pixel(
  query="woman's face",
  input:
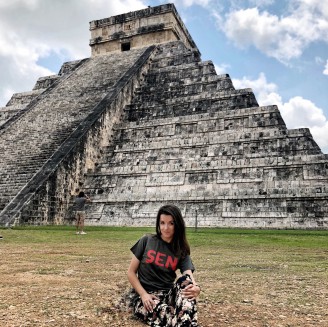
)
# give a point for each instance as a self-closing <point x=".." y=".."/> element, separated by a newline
<point x="166" y="224"/>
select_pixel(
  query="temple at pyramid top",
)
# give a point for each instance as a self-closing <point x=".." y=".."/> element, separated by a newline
<point x="137" y="29"/>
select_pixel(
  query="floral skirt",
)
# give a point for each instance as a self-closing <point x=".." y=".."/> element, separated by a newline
<point x="171" y="310"/>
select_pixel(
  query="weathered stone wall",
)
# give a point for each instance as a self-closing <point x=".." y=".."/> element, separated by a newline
<point x="137" y="41"/>
<point x="140" y="28"/>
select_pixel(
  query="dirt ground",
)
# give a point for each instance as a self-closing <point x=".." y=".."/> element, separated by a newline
<point x="79" y="283"/>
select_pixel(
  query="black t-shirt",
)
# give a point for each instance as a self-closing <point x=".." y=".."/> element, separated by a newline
<point x="158" y="263"/>
<point x="79" y="203"/>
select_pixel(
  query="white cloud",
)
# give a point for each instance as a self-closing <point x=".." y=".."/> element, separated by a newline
<point x="19" y="70"/>
<point x="34" y="29"/>
<point x="297" y="112"/>
<point x="222" y="69"/>
<point x="325" y="72"/>
<point x="266" y="93"/>
<point x="320" y="135"/>
<point x="318" y="60"/>
<point x="283" y="38"/>
<point x="300" y="112"/>
<point x="189" y="3"/>
<point x="261" y="3"/>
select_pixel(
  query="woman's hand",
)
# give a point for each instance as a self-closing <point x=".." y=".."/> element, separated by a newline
<point x="148" y="301"/>
<point x="191" y="291"/>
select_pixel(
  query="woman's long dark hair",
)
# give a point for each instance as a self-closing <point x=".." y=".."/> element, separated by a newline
<point x="179" y="242"/>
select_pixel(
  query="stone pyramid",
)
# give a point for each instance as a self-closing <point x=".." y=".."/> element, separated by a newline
<point x="145" y="122"/>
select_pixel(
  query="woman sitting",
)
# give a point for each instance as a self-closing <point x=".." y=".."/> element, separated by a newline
<point x="158" y="299"/>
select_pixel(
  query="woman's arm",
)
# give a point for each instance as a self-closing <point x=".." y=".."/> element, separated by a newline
<point x="146" y="298"/>
<point x="192" y="290"/>
<point x="133" y="278"/>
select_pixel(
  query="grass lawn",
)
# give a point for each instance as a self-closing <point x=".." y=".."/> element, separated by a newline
<point x="51" y="277"/>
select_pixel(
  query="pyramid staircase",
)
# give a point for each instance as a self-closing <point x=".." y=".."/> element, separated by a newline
<point x="51" y="136"/>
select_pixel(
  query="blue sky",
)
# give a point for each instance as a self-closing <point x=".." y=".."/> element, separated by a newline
<point x="278" y="48"/>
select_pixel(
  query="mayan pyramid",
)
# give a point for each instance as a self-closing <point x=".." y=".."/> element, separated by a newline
<point x="144" y="122"/>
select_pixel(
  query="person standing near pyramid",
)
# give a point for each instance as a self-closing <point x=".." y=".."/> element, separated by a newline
<point x="80" y="202"/>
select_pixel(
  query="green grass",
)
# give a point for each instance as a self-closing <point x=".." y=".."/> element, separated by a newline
<point x="263" y="270"/>
<point x="301" y="249"/>
<point x="208" y="237"/>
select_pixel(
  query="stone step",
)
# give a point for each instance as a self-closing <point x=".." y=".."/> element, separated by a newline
<point x="69" y="66"/>
<point x="12" y="108"/>
<point x="175" y="50"/>
<point x="211" y="97"/>
<point x="19" y="178"/>
<point x="153" y="108"/>
<point x="161" y="61"/>
<point x="8" y="112"/>
<point x="182" y="89"/>
<point x="23" y="98"/>
<point x="195" y="70"/>
<point x="259" y="113"/>
<point x="190" y="86"/>
<point x="205" y="67"/>
<point x="214" y="146"/>
<point x="45" y="82"/>
<point x="261" y="180"/>
<point x="220" y="168"/>
<point x="197" y="133"/>
<point x="208" y="192"/>
<point x="280" y="213"/>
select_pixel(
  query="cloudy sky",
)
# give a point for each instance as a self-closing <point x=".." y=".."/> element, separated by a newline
<point x="279" y="48"/>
